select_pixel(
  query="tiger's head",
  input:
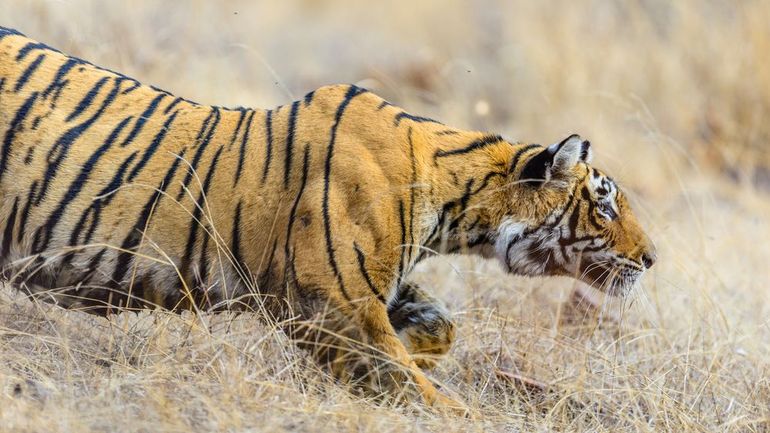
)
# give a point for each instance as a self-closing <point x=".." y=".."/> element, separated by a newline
<point x="568" y="218"/>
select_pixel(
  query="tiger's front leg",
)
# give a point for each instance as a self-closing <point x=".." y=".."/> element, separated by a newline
<point x="423" y="324"/>
<point x="361" y="347"/>
<point x="347" y="326"/>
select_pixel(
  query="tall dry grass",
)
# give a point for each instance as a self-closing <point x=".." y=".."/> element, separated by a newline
<point x="674" y="96"/>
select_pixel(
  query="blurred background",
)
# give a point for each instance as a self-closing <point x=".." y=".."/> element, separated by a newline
<point x="674" y="96"/>
<point x="693" y="75"/>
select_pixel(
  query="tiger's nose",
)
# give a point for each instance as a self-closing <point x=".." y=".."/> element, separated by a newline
<point x="649" y="259"/>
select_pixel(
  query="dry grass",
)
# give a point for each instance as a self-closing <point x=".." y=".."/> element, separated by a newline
<point x="674" y="96"/>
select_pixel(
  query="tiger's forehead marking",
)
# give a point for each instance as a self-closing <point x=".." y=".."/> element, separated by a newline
<point x="604" y="186"/>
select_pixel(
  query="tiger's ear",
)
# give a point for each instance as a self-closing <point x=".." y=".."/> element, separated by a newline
<point x="556" y="159"/>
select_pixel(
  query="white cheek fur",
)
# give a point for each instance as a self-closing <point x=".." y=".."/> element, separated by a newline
<point x="507" y="232"/>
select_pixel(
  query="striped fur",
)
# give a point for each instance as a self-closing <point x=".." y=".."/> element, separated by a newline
<point x="116" y="195"/>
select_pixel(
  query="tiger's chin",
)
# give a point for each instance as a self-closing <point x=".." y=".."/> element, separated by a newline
<point x="614" y="279"/>
<point x="618" y="281"/>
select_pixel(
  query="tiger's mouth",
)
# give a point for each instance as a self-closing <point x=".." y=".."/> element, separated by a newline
<point x="615" y="280"/>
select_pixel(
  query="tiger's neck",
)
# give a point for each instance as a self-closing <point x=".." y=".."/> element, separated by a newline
<point x="463" y="174"/>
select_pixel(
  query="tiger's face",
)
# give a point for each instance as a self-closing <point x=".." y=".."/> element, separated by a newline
<point x="575" y="222"/>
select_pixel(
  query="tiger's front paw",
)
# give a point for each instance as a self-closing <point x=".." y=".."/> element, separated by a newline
<point x="423" y="324"/>
<point x="447" y="405"/>
<point x="428" y="341"/>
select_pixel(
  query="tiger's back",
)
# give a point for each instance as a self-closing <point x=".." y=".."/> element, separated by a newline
<point x="126" y="192"/>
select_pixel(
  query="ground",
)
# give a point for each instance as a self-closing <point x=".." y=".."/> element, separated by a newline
<point x="674" y="98"/>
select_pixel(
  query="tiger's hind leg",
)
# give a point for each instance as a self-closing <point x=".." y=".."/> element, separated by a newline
<point x="423" y="324"/>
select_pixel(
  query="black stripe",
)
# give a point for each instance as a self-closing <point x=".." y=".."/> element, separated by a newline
<point x="448" y="132"/>
<point x="590" y="208"/>
<point x="59" y="150"/>
<point x="261" y="279"/>
<point x="352" y="92"/>
<point x="563" y="248"/>
<point x="519" y="153"/>
<point x="470" y="192"/>
<point x="290" y="273"/>
<point x="564" y="211"/>
<point x="418" y="119"/>
<point x="235" y="245"/>
<point x="37" y="45"/>
<point x="445" y="209"/>
<point x="173" y="104"/>
<point x="241" y="116"/>
<point x="25" y="213"/>
<point x="402" y="224"/>
<point x="28" y="73"/>
<point x="291" y="269"/>
<point x="290" y="143"/>
<point x="58" y="81"/>
<point x="196" y="222"/>
<point x="242" y="150"/>
<point x="293" y="212"/>
<point x="269" y="154"/>
<point x="309" y="98"/>
<point x="30" y="154"/>
<point x="383" y="104"/>
<point x="29" y="47"/>
<point x="93" y="263"/>
<point x="199" y="153"/>
<point x="43" y="234"/>
<point x="463" y="203"/>
<point x="142" y="119"/>
<point x="37" y="120"/>
<point x="8" y="232"/>
<point x="204" y="126"/>
<point x="592" y="218"/>
<point x="572" y="196"/>
<point x="590" y="249"/>
<point x="475" y="145"/>
<point x="153" y="147"/>
<point x="88" y="99"/>
<point x="574" y="220"/>
<point x="204" y="264"/>
<point x="133" y="87"/>
<point x="485" y="181"/>
<point x="473" y="225"/>
<point x="4" y="31"/>
<point x="158" y="89"/>
<point x="365" y="274"/>
<point x="103" y="198"/>
<point x="13" y="128"/>
<point x="135" y="233"/>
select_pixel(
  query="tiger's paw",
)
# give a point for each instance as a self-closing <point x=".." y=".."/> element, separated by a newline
<point x="423" y="324"/>
<point x="448" y="406"/>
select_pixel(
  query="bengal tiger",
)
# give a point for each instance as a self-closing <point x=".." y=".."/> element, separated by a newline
<point x="116" y="196"/>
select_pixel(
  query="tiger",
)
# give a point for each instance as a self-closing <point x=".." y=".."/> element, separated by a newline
<point x="118" y="196"/>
